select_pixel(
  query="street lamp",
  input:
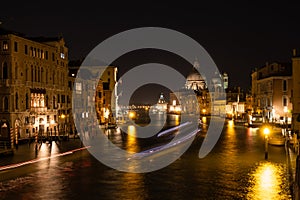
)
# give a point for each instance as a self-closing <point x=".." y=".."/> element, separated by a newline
<point x="266" y="133"/>
<point x="62" y="117"/>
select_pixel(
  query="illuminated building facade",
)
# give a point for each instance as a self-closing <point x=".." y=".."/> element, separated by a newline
<point x="210" y="97"/>
<point x="34" y="93"/>
<point x="95" y="90"/>
<point x="271" y="91"/>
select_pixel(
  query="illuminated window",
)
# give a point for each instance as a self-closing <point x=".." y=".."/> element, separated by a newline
<point x="62" y="53"/>
<point x="5" y="46"/>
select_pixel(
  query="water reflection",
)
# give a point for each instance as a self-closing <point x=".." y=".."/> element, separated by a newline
<point x="134" y="186"/>
<point x="267" y="182"/>
<point x="131" y="144"/>
<point x="234" y="169"/>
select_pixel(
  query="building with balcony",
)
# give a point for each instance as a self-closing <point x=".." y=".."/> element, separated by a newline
<point x="272" y="90"/>
<point x="34" y="93"/>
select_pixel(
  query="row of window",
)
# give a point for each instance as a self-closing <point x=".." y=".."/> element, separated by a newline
<point x="267" y="86"/>
<point x="37" y="74"/>
<point x="31" y="119"/>
<point x="267" y="101"/>
<point x="34" y="52"/>
<point x="36" y="101"/>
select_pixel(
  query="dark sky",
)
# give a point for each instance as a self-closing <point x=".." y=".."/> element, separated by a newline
<point x="238" y="37"/>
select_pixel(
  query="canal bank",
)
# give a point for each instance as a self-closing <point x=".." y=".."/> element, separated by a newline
<point x="234" y="169"/>
<point x="25" y="152"/>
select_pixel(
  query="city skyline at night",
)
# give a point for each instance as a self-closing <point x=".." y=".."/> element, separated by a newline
<point x="123" y="100"/>
<point x="239" y="37"/>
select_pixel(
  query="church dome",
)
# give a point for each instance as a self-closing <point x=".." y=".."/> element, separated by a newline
<point x="195" y="80"/>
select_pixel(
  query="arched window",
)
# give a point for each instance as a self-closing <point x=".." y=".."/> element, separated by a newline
<point x="32" y="74"/>
<point x="5" y="71"/>
<point x="35" y="75"/>
<point x="47" y="101"/>
<point x="42" y="75"/>
<point x="17" y="101"/>
<point x="39" y="75"/>
<point x="5" y="104"/>
<point x="54" y="102"/>
<point x="27" y="101"/>
<point x="46" y="75"/>
<point x="284" y="100"/>
<point x="26" y="74"/>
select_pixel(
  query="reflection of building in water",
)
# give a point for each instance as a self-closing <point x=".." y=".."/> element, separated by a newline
<point x="199" y="94"/>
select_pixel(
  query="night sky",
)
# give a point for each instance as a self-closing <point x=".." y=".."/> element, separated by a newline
<point x="238" y="37"/>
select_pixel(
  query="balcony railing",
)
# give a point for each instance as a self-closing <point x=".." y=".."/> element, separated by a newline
<point x="39" y="109"/>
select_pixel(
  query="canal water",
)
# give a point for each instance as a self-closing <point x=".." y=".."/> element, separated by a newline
<point x="235" y="169"/>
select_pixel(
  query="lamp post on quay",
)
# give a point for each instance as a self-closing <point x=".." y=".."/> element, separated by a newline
<point x="266" y="133"/>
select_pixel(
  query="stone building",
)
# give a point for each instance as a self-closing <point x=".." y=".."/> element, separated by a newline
<point x="91" y="89"/>
<point x="271" y="91"/>
<point x="208" y="97"/>
<point x="34" y="93"/>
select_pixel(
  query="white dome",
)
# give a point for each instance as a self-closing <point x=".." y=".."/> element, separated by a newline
<point x="195" y="80"/>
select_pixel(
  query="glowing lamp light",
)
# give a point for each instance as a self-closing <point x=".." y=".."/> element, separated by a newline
<point x="131" y="115"/>
<point x="266" y="131"/>
<point x="106" y="114"/>
<point x="285" y="110"/>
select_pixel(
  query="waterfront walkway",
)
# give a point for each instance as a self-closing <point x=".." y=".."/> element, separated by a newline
<point x="32" y="150"/>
